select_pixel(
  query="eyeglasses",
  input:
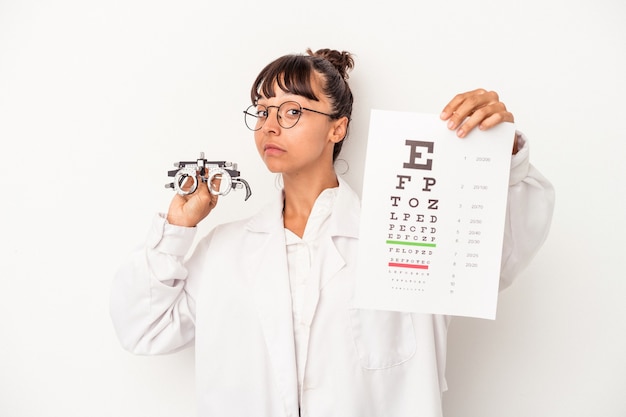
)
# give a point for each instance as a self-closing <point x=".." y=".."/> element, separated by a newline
<point x="288" y="114"/>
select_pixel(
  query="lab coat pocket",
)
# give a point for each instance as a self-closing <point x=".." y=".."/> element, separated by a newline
<point x="382" y="338"/>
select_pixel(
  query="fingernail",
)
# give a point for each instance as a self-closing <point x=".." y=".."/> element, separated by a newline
<point x="451" y="124"/>
<point x="443" y="115"/>
<point x="461" y="133"/>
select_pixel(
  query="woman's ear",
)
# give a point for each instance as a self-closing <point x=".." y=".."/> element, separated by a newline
<point x="340" y="129"/>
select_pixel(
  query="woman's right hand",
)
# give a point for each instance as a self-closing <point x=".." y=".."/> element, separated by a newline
<point x="188" y="210"/>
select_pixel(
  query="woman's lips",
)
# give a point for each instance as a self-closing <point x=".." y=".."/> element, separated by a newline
<point x="273" y="150"/>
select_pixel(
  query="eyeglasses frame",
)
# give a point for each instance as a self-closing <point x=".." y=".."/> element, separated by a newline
<point x="245" y="112"/>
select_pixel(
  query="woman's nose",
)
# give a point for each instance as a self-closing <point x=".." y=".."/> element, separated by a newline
<point x="271" y="122"/>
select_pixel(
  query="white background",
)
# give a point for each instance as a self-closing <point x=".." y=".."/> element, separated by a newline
<point x="98" y="98"/>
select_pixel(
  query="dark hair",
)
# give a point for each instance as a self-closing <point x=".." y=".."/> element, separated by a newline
<point x="293" y="74"/>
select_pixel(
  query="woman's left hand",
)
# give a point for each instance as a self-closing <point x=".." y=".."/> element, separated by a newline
<point x="480" y="107"/>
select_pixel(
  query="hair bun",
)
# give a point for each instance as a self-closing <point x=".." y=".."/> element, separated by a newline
<point x="342" y="61"/>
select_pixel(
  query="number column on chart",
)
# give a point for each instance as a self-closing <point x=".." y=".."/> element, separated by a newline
<point x="469" y="221"/>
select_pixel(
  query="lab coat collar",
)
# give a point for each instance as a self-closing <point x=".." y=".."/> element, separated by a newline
<point x="344" y="219"/>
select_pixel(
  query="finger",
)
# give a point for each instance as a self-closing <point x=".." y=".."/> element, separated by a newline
<point x="472" y="117"/>
<point x="484" y="118"/>
<point x="452" y="108"/>
<point x="495" y="111"/>
<point x="496" y="119"/>
<point x="203" y="193"/>
<point x="471" y="103"/>
<point x="216" y="182"/>
<point x="204" y="200"/>
<point x="479" y="109"/>
<point x="477" y="106"/>
<point x="200" y="203"/>
<point x="187" y="184"/>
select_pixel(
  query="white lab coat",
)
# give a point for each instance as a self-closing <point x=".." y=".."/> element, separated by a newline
<point x="232" y="297"/>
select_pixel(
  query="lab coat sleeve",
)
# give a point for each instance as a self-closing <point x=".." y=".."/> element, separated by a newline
<point x="529" y="214"/>
<point x="151" y="309"/>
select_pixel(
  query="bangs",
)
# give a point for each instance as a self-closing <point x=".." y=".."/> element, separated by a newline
<point x="291" y="73"/>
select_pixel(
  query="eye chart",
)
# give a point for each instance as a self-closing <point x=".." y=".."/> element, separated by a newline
<point x="432" y="219"/>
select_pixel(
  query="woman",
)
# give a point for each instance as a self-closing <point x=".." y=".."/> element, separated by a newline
<point x="272" y="322"/>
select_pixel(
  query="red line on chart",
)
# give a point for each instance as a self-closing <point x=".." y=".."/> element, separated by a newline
<point x="414" y="266"/>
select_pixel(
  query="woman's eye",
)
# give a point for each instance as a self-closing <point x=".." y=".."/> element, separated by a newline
<point x="293" y="112"/>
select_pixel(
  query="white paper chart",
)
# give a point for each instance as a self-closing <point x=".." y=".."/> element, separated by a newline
<point x="433" y="214"/>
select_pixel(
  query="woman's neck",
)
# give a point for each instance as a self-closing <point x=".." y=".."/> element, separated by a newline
<point x="300" y="196"/>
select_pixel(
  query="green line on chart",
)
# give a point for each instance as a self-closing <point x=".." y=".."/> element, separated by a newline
<point x="400" y="242"/>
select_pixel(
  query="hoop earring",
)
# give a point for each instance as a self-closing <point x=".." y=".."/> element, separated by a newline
<point x="341" y="166"/>
<point x="278" y="182"/>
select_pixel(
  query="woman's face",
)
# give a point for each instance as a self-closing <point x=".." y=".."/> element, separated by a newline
<point x="304" y="148"/>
